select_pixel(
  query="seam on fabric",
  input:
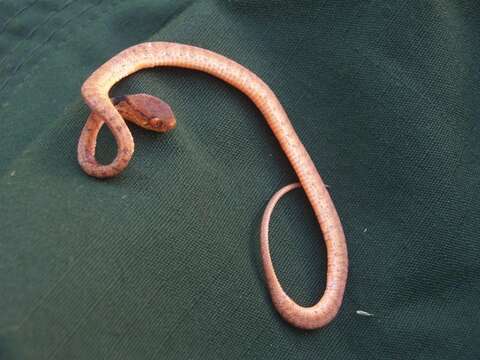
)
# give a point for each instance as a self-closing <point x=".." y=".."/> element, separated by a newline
<point x="32" y="32"/>
<point x="28" y="56"/>
<point x="16" y="14"/>
<point x="393" y="74"/>
<point x="64" y="42"/>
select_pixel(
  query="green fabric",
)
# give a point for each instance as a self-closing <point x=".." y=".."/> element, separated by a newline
<point x="163" y="261"/>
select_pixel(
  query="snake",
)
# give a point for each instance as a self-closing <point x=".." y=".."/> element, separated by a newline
<point x="153" y="114"/>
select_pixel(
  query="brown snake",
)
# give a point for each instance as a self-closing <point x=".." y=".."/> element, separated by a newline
<point x="153" y="114"/>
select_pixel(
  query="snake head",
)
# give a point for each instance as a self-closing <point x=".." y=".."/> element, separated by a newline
<point x="146" y="111"/>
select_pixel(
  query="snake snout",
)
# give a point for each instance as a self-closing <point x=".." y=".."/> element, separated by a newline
<point x="163" y="125"/>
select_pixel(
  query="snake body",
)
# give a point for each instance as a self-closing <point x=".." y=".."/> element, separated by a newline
<point x="95" y="92"/>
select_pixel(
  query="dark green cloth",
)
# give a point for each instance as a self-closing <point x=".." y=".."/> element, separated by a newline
<point x="163" y="261"/>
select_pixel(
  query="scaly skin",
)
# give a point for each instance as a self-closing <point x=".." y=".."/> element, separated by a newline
<point x="95" y="92"/>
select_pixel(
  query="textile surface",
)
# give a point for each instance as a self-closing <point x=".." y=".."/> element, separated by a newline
<point x="163" y="261"/>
